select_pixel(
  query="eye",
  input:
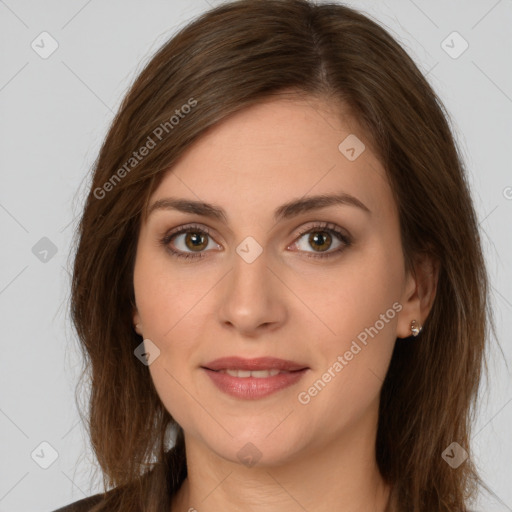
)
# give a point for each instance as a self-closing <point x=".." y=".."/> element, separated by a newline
<point x="321" y="237"/>
<point x="193" y="238"/>
<point x="192" y="241"/>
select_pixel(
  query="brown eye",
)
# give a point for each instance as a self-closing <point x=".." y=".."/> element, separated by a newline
<point x="322" y="240"/>
<point x="188" y="242"/>
<point x="195" y="240"/>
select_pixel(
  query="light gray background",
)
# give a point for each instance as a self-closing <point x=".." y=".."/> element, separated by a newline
<point x="54" y="115"/>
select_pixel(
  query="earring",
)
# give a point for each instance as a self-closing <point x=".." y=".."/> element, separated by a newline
<point x="138" y="328"/>
<point x="415" y="328"/>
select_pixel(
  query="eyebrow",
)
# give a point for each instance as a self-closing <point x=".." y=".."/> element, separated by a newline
<point x="286" y="211"/>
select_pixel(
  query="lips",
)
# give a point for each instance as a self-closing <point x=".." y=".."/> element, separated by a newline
<point x="253" y="365"/>
<point x="251" y="379"/>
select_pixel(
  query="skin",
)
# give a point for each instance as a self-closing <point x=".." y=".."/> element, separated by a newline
<point x="314" y="456"/>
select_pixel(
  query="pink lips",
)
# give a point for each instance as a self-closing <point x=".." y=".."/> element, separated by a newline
<point x="258" y="385"/>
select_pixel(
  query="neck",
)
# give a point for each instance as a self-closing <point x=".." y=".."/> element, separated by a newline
<point x="339" y="475"/>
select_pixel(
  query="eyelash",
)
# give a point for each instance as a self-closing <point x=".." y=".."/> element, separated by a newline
<point x="320" y="227"/>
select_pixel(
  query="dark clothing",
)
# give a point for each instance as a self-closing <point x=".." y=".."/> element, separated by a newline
<point x="82" y="505"/>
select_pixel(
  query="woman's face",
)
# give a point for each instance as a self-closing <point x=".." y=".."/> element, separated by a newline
<point x="271" y="277"/>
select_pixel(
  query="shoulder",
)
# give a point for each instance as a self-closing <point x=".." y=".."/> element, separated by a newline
<point x="82" y="505"/>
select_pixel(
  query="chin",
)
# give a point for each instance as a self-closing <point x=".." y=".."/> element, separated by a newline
<point x="257" y="450"/>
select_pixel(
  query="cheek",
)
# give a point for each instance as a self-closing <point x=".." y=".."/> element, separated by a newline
<point x="352" y="296"/>
<point x="176" y="393"/>
<point x="359" y="306"/>
<point x="166" y="296"/>
<point x="171" y="306"/>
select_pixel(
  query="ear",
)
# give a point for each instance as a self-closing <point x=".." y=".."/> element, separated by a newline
<point x="418" y="293"/>
<point x="136" y="321"/>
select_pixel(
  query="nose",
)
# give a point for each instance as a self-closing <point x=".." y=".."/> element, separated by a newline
<point x="253" y="298"/>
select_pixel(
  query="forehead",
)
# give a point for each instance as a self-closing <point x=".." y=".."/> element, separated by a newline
<point x="280" y="149"/>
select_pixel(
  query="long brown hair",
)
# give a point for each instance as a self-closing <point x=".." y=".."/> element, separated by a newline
<point x="231" y="57"/>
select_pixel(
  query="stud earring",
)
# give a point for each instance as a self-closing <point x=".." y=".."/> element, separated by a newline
<point x="415" y="328"/>
<point x="138" y="328"/>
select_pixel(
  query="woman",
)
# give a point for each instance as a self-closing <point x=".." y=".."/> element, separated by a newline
<point x="278" y="286"/>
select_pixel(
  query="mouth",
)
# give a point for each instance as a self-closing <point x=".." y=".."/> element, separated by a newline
<point x="253" y="378"/>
